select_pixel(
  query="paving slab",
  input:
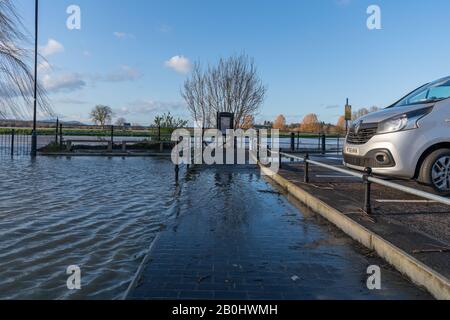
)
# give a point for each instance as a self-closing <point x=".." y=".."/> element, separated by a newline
<point x="251" y="242"/>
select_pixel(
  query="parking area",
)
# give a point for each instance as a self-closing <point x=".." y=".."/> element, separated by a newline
<point x="420" y="227"/>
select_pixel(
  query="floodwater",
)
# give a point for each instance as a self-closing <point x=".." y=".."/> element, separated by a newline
<point x="102" y="214"/>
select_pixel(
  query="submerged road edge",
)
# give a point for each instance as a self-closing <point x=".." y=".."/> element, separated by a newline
<point x="137" y="276"/>
<point x="419" y="273"/>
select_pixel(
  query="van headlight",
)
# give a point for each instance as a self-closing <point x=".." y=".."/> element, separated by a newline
<point x="403" y="122"/>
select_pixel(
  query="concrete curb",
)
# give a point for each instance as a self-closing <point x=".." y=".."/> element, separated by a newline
<point x="419" y="273"/>
<point x="103" y="154"/>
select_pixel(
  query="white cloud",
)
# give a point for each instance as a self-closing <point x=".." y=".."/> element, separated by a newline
<point x="180" y="64"/>
<point x="67" y="100"/>
<point x="343" y="2"/>
<point x="44" y="67"/>
<point x="71" y="81"/>
<point x="65" y="82"/>
<point x="164" y="28"/>
<point x="150" y="107"/>
<point x="52" y="47"/>
<point x="125" y="73"/>
<point x="156" y="106"/>
<point x="123" y="35"/>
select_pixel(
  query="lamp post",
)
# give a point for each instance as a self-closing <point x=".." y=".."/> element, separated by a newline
<point x="36" y="29"/>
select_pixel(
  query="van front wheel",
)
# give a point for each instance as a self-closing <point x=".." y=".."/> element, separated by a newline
<point x="435" y="171"/>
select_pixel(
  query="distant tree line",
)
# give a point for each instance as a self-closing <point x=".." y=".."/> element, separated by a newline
<point x="311" y="123"/>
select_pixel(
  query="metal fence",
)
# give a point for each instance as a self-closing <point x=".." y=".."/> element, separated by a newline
<point x="18" y="142"/>
<point x="313" y="144"/>
<point x="15" y="143"/>
<point x="366" y="178"/>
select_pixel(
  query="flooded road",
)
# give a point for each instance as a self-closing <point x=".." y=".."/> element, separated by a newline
<point x="99" y="214"/>
<point x="102" y="214"/>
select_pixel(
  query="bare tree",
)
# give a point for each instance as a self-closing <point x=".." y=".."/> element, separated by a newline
<point x="120" y="122"/>
<point x="16" y="77"/>
<point x="231" y="86"/>
<point x="101" y="115"/>
<point x="364" y="111"/>
<point x="196" y="97"/>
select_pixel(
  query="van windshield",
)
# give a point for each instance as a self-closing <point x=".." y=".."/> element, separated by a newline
<point x="432" y="92"/>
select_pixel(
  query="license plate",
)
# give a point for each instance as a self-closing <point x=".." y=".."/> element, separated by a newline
<point x="350" y="150"/>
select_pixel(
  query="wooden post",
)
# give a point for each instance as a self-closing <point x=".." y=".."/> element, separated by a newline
<point x="60" y="136"/>
<point x="367" y="191"/>
<point x="306" y="175"/>
<point x="280" y="159"/>
<point x="56" y="131"/>
<point x="292" y="141"/>
<point x="324" y="143"/>
<point x="13" y="133"/>
<point x="257" y="145"/>
<point x="338" y="143"/>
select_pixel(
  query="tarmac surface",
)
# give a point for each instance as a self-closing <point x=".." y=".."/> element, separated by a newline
<point x="419" y="227"/>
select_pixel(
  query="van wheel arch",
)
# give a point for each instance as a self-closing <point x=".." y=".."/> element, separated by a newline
<point x="430" y="150"/>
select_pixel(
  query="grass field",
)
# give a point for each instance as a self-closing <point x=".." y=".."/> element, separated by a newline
<point x="165" y="133"/>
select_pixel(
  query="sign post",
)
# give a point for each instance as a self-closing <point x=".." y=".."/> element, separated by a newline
<point x="225" y="121"/>
<point x="348" y="115"/>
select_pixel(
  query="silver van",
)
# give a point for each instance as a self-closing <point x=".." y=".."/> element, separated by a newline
<point x="410" y="139"/>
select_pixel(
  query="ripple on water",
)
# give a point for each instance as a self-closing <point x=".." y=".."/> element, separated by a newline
<point x="100" y="214"/>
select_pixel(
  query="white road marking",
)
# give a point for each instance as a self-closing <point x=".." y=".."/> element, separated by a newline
<point x="405" y="201"/>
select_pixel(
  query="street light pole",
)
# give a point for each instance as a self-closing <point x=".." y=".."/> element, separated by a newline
<point x="36" y="29"/>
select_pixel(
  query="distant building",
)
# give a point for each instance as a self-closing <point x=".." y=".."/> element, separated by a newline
<point x="262" y="126"/>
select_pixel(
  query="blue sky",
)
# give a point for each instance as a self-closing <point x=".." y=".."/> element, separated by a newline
<point x="134" y="55"/>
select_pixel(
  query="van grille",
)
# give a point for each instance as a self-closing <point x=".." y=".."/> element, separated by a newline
<point x="360" y="161"/>
<point x="365" y="133"/>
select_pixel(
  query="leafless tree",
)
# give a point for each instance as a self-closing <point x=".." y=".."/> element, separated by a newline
<point x="233" y="85"/>
<point x="16" y="77"/>
<point x="364" y="111"/>
<point x="101" y="115"/>
<point x="196" y="96"/>
<point x="120" y="122"/>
